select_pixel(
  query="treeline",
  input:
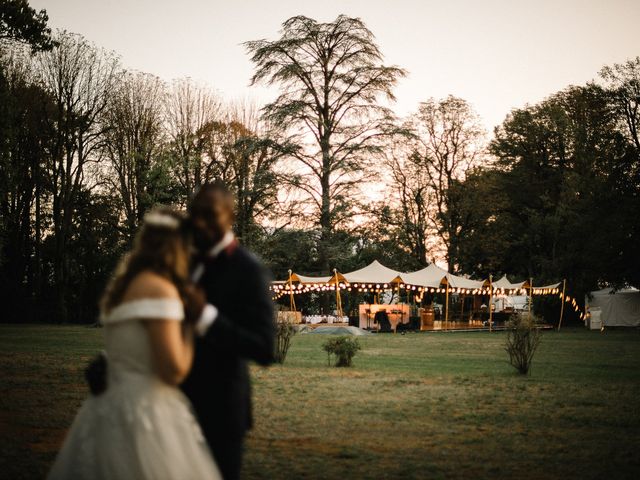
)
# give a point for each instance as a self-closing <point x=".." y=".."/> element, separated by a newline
<point x="88" y="147"/>
<point x="556" y="195"/>
<point x="326" y="176"/>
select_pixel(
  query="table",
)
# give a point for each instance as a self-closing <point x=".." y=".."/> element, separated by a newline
<point x="397" y="313"/>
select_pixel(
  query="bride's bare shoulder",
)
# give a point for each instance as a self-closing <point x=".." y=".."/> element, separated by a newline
<point x="149" y="284"/>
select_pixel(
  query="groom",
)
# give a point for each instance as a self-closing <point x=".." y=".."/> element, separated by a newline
<point x="235" y="326"/>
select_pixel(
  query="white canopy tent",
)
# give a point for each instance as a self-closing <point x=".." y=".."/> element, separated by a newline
<point x="431" y="276"/>
<point x="374" y="273"/>
<point x="505" y="284"/>
<point x="304" y="279"/>
<point x="619" y="308"/>
<point x="376" y="278"/>
<point x="456" y="281"/>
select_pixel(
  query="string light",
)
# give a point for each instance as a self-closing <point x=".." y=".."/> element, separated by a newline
<point x="281" y="289"/>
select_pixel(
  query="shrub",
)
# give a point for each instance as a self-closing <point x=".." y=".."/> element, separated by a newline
<point x="343" y="348"/>
<point x="284" y="333"/>
<point x="523" y="338"/>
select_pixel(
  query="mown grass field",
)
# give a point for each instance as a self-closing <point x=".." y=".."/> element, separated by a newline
<point x="424" y="406"/>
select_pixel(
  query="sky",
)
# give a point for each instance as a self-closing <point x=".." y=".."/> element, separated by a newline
<point x="496" y="54"/>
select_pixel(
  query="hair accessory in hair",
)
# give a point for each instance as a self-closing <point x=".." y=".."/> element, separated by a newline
<point x="157" y="219"/>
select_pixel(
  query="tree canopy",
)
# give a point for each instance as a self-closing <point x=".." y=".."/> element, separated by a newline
<point x="333" y="87"/>
<point x="20" y="22"/>
<point x="325" y="175"/>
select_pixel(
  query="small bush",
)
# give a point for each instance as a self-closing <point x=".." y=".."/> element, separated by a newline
<point x="523" y="338"/>
<point x="284" y="333"/>
<point x="343" y="348"/>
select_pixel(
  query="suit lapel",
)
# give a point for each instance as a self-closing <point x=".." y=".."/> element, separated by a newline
<point x="211" y="263"/>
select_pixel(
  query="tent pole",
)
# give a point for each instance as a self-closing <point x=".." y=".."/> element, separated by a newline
<point x="490" y="303"/>
<point x="395" y="330"/>
<point x="530" y="295"/>
<point x="564" y="287"/>
<point x="446" y="307"/>
<point x="292" y="301"/>
<point x="338" y="299"/>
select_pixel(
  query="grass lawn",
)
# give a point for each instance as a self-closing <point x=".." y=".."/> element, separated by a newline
<point x="439" y="405"/>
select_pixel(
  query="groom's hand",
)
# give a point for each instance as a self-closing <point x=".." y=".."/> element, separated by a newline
<point x="194" y="302"/>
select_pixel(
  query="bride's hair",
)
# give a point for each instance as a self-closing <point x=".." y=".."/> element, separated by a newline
<point x="161" y="247"/>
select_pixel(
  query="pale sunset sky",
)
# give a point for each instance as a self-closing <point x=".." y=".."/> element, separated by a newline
<point x="496" y="54"/>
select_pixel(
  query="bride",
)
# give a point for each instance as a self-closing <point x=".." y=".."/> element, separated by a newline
<point x="142" y="426"/>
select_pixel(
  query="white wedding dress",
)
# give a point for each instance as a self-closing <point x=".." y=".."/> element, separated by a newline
<point x="140" y="427"/>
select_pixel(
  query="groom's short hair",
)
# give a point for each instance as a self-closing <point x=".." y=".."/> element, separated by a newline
<point x="217" y="187"/>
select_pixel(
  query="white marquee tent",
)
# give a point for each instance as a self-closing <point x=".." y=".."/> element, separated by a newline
<point x="432" y="276"/>
<point x="376" y="278"/>
<point x="375" y="272"/>
<point x="619" y="308"/>
<point x="505" y="284"/>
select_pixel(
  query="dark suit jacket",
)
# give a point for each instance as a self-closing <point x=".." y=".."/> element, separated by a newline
<point x="218" y="385"/>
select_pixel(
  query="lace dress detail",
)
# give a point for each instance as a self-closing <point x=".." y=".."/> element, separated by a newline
<point x="140" y="427"/>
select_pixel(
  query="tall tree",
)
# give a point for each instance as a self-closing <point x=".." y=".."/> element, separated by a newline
<point x="409" y="208"/>
<point x="333" y="87"/>
<point x="623" y="86"/>
<point x="558" y="202"/>
<point x="23" y="143"/>
<point x="253" y="151"/>
<point x="97" y="245"/>
<point x="191" y="109"/>
<point x="488" y="243"/>
<point x="623" y="81"/>
<point x="20" y="22"/>
<point x="133" y="142"/>
<point x="24" y="147"/>
<point x="448" y="140"/>
<point x="80" y="78"/>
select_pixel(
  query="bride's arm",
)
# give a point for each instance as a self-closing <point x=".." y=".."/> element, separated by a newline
<point x="172" y="349"/>
<point x="171" y="340"/>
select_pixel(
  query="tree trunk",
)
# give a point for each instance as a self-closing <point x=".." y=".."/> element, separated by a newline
<point x="325" y="224"/>
<point x="37" y="252"/>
